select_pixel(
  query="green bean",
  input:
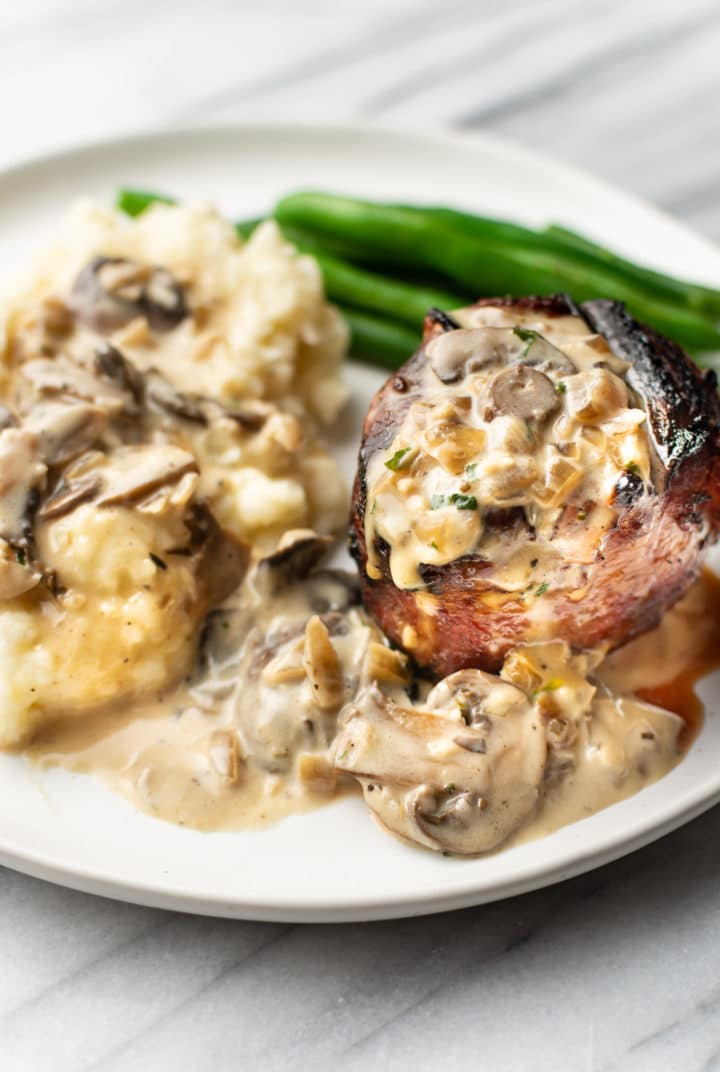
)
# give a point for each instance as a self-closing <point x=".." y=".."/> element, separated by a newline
<point x="379" y="340"/>
<point x="575" y="248"/>
<point x="489" y="268"/>
<point x="703" y="299"/>
<point x="348" y="285"/>
<point x="134" y="202"/>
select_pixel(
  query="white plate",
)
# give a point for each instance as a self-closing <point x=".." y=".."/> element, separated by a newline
<point x="334" y="864"/>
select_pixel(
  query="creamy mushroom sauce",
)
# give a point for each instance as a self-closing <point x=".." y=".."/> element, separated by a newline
<point x="516" y="411"/>
<point x="296" y="698"/>
<point x="163" y="629"/>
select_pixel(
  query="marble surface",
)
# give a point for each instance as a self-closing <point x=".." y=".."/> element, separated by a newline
<point x="618" y="970"/>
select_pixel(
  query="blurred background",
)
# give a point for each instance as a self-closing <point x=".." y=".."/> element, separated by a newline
<point x="627" y="88"/>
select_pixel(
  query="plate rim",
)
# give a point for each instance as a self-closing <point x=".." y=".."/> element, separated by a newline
<point x="671" y="815"/>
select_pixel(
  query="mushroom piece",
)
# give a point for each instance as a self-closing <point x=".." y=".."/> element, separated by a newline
<point x="111" y="364"/>
<point x="109" y="292"/>
<point x="455" y="354"/>
<point x="136" y="473"/>
<point x="459" y="773"/>
<point x="66" y="430"/>
<point x="22" y="476"/>
<point x="69" y="494"/>
<point x="159" y="394"/>
<point x="61" y="378"/>
<point x="127" y="476"/>
<point x="219" y="560"/>
<point x="523" y="392"/>
<point x="296" y="555"/>
<point x="538" y="352"/>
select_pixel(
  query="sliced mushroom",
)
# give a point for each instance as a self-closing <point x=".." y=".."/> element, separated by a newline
<point x="297" y="553"/>
<point x="135" y="473"/>
<point x="251" y="415"/>
<point x="523" y="392"/>
<point x="66" y="430"/>
<point x="68" y="495"/>
<point x="460" y="773"/>
<point x="219" y="560"/>
<point x="159" y="394"/>
<point x="109" y="292"/>
<point x="538" y="352"/>
<point x="22" y="476"/>
<point x="455" y="354"/>
<point x="113" y="365"/>
<point x="61" y="378"/>
<point x="127" y="476"/>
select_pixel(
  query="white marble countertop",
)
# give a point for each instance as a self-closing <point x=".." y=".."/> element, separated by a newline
<point x="618" y="970"/>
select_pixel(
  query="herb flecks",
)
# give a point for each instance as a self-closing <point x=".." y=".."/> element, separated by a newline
<point x="471" y="470"/>
<point x="632" y="467"/>
<point x="398" y="459"/>
<point x="458" y="499"/>
<point x="542" y="589"/>
<point x="561" y="387"/>
<point x="528" y="336"/>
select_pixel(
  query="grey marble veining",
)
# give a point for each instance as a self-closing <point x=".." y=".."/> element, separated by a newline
<point x="617" y="971"/>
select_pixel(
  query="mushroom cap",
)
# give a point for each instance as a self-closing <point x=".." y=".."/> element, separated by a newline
<point x="457" y="773"/>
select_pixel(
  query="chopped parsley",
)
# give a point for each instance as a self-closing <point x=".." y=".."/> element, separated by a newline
<point x="561" y="387"/>
<point x="528" y="336"/>
<point x="397" y="459"/>
<point x="471" y="470"/>
<point x="21" y="556"/>
<point x="542" y="589"/>
<point x="463" y="502"/>
<point x="434" y="546"/>
<point x="633" y="468"/>
<point x="450" y="787"/>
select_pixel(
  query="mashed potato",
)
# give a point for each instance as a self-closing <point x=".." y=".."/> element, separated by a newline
<point x="161" y="333"/>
